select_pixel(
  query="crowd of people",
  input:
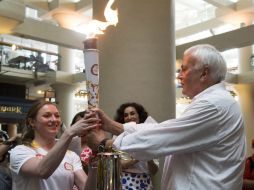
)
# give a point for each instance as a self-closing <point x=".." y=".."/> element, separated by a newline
<point x="204" y="148"/>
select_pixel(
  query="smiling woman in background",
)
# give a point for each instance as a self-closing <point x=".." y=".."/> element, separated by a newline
<point x="44" y="163"/>
<point x="136" y="174"/>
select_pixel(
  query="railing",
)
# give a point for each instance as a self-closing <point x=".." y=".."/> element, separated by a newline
<point x="28" y="59"/>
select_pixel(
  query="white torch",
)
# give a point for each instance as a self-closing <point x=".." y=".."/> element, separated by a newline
<point x="91" y="54"/>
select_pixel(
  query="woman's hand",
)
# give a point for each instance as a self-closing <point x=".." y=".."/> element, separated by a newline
<point x="107" y="124"/>
<point x="81" y="127"/>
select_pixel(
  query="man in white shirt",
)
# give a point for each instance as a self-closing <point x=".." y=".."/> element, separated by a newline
<point x="207" y="142"/>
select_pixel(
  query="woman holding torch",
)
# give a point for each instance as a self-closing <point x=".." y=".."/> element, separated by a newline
<point x="44" y="163"/>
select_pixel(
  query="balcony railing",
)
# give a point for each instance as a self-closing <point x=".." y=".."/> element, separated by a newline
<point x="28" y="58"/>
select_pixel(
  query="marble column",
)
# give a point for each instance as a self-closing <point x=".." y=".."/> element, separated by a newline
<point x="137" y="58"/>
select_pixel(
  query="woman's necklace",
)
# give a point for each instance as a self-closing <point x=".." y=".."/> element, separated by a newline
<point x="35" y="144"/>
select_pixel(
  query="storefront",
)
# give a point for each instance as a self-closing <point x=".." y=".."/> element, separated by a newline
<point x="13" y="113"/>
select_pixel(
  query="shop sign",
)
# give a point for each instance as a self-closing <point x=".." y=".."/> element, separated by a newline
<point x="13" y="109"/>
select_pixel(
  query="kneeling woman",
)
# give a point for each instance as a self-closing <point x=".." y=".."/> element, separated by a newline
<point x="44" y="163"/>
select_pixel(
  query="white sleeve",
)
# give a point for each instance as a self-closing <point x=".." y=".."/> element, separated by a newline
<point x="19" y="155"/>
<point x="129" y="128"/>
<point x="194" y="130"/>
<point x="76" y="162"/>
<point x="75" y="145"/>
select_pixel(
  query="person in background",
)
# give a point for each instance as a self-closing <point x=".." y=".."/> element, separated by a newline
<point x="135" y="174"/>
<point x="44" y="163"/>
<point x="248" y="176"/>
<point x="6" y="144"/>
<point x="85" y="152"/>
<point x="206" y="143"/>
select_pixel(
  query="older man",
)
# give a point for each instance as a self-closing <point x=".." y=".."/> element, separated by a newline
<point x="206" y="143"/>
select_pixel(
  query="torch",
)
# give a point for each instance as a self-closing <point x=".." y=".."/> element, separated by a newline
<point x="91" y="55"/>
<point x="109" y="165"/>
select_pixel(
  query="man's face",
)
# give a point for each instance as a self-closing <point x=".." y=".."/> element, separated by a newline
<point x="189" y="77"/>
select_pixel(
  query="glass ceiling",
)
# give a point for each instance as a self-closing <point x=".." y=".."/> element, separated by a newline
<point x="188" y="13"/>
<point x="194" y="12"/>
<point x="191" y="13"/>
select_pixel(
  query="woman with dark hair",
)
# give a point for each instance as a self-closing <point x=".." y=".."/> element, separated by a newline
<point x="85" y="152"/>
<point x="135" y="174"/>
<point x="123" y="117"/>
<point x="44" y="163"/>
<point x="77" y="117"/>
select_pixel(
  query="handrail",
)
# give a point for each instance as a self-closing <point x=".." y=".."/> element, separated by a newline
<point x="29" y="48"/>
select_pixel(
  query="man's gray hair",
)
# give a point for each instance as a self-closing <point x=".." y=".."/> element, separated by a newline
<point x="208" y="55"/>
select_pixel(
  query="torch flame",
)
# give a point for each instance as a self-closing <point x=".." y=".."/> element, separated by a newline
<point x="110" y="14"/>
<point x="97" y="27"/>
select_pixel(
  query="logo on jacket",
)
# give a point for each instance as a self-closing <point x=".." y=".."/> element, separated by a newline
<point x="68" y="166"/>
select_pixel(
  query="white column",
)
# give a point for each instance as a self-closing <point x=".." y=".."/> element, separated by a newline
<point x="65" y="102"/>
<point x="245" y="53"/>
<point x="67" y="56"/>
<point x="137" y="58"/>
<point x="65" y="92"/>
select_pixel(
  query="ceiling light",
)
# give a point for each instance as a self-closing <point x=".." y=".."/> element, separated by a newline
<point x="40" y="92"/>
<point x="14" y="47"/>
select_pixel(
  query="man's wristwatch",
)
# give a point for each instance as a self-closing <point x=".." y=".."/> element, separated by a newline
<point x="102" y="145"/>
